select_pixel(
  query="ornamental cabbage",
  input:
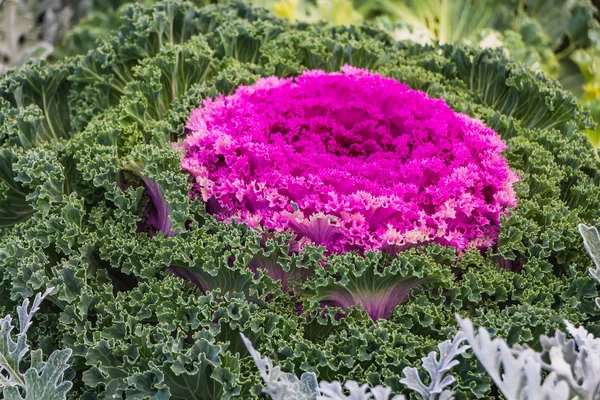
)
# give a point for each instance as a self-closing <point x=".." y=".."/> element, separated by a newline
<point x="94" y="202"/>
<point x="351" y="161"/>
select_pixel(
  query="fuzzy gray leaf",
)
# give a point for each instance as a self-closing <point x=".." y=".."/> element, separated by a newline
<point x="591" y="242"/>
<point x="281" y="385"/>
<point x="44" y="379"/>
<point x="573" y="372"/>
<point x="448" y="350"/>
<point x="13" y="351"/>
<point x="334" y="391"/>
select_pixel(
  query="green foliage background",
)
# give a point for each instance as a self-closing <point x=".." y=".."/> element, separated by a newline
<point x="71" y="208"/>
<point x="558" y="37"/>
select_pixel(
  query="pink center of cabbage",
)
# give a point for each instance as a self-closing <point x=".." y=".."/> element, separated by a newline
<point x="349" y="161"/>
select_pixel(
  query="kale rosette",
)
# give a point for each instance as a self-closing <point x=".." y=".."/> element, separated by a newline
<point x="350" y="161"/>
<point x="332" y="194"/>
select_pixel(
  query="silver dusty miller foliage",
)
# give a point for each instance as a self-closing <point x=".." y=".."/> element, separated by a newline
<point x="280" y="385"/>
<point x="591" y="242"/>
<point x="43" y="380"/>
<point x="572" y="365"/>
<point x="437" y="369"/>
